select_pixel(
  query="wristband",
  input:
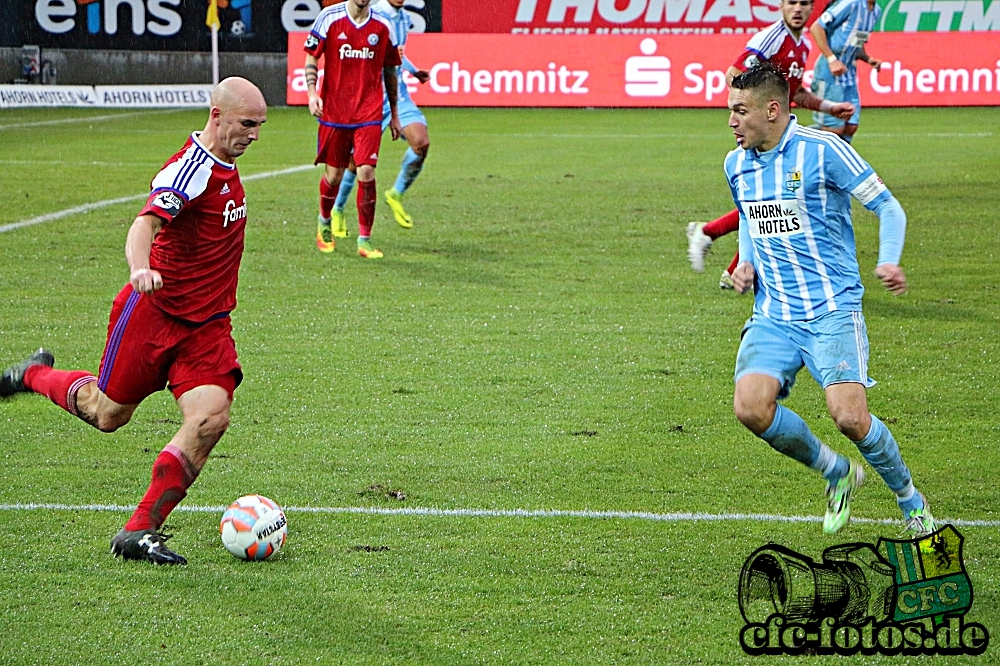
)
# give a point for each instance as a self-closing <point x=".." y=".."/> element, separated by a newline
<point x="825" y="106"/>
<point x="831" y="58"/>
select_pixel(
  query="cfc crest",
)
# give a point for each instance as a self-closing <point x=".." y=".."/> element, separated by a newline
<point x="930" y="576"/>
<point x="373" y="39"/>
<point x="793" y="180"/>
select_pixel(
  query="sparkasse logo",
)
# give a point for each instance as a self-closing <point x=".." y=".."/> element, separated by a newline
<point x="153" y="16"/>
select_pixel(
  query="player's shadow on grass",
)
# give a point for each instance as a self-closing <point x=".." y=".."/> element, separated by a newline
<point x="449" y="261"/>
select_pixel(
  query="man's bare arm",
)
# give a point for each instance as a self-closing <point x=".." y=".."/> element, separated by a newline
<point x="137" y="248"/>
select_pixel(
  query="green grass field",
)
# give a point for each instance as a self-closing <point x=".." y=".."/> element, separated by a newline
<point x="537" y="341"/>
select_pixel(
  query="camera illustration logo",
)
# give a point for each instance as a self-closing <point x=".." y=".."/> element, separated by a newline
<point x="896" y="597"/>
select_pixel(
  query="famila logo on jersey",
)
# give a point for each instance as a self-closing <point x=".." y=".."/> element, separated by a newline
<point x="349" y="52"/>
<point x="232" y="212"/>
<point x="896" y="597"/>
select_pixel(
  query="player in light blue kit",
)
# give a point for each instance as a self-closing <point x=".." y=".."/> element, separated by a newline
<point x="840" y="34"/>
<point x="414" y="129"/>
<point x="793" y="187"/>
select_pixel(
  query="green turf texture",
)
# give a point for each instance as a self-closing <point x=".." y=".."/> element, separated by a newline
<point x="536" y="341"/>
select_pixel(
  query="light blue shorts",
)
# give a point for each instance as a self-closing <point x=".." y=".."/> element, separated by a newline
<point x="408" y="114"/>
<point x="834" y="347"/>
<point x="825" y="86"/>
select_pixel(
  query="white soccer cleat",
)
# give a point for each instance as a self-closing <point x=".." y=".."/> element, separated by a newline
<point x="726" y="281"/>
<point x="698" y="245"/>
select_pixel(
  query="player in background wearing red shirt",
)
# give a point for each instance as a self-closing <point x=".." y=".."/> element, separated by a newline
<point x="783" y="44"/>
<point x="360" y="53"/>
<point x="170" y="324"/>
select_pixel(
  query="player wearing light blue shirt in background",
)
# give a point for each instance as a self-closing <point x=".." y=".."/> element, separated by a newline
<point x="793" y="187"/>
<point x="841" y="33"/>
<point x="414" y="128"/>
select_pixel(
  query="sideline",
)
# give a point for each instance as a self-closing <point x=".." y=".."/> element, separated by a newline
<point x="682" y="517"/>
<point x="86" y="208"/>
<point x="85" y="119"/>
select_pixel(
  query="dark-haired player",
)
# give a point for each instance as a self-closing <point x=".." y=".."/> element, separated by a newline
<point x="361" y="54"/>
<point x="793" y="186"/>
<point x="783" y="45"/>
<point x="170" y="324"/>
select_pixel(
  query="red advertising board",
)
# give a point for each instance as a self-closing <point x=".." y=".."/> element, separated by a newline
<point x="949" y="69"/>
<point x="597" y="17"/>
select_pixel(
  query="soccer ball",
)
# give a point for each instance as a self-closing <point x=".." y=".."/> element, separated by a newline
<point x="253" y="528"/>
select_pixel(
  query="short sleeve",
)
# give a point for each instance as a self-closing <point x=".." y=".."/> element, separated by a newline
<point x="177" y="184"/>
<point x="837" y="13"/>
<point x="164" y="204"/>
<point x="747" y="59"/>
<point x="317" y="34"/>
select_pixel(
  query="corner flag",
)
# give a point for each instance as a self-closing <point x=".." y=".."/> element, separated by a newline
<point x="212" y="19"/>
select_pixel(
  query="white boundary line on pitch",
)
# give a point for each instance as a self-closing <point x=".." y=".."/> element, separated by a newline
<point x="84" y="119"/>
<point x="683" y="517"/>
<point x="86" y="208"/>
<point x="547" y="135"/>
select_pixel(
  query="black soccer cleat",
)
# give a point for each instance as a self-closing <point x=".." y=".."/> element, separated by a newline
<point x="144" y="545"/>
<point x="12" y="379"/>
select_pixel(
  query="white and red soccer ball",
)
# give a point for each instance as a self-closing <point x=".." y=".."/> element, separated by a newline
<point x="253" y="528"/>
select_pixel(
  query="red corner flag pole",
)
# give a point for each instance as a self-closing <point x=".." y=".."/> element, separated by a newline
<point x="212" y="21"/>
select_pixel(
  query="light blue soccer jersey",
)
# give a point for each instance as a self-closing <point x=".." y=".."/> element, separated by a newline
<point x="795" y="221"/>
<point x="401" y="26"/>
<point x="848" y="25"/>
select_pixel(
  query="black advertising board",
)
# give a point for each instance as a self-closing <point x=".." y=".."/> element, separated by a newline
<point x="170" y="25"/>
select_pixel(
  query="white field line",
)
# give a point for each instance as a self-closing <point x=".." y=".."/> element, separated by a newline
<point x="683" y="517"/>
<point x="86" y="208"/>
<point x="675" y="135"/>
<point x="85" y="119"/>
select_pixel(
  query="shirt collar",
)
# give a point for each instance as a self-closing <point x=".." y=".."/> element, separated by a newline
<point x="790" y="131"/>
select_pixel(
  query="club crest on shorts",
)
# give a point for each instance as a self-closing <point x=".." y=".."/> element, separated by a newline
<point x="373" y="39"/>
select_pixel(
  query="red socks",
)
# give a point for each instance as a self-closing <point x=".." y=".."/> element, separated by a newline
<point x="59" y="386"/>
<point x="173" y="474"/>
<point x="736" y="261"/>
<point x="726" y="224"/>
<point x="366" y="207"/>
<point x="327" y="195"/>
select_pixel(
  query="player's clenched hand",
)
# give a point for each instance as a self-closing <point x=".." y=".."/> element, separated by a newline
<point x="842" y="110"/>
<point x="315" y="105"/>
<point x="838" y="68"/>
<point x="743" y="277"/>
<point x="422" y="75"/>
<point x="892" y="278"/>
<point x="145" y="280"/>
<point x="875" y="63"/>
<point x="395" y="128"/>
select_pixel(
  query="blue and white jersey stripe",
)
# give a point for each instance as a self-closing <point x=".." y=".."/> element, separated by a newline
<point x="400" y="26"/>
<point x="795" y="221"/>
<point x="188" y="176"/>
<point x="848" y="24"/>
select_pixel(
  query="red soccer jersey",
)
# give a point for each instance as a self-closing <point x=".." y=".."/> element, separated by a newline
<point x="352" y="73"/>
<point x="198" y="251"/>
<point x="776" y="44"/>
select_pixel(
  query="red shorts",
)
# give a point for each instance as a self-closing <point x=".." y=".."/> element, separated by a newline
<point x="335" y="145"/>
<point x="148" y="350"/>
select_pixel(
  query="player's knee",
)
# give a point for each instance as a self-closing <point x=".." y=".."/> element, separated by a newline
<point x="853" y="424"/>
<point x="421" y="147"/>
<point x="107" y="421"/>
<point x="752" y="412"/>
<point x="211" y="426"/>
